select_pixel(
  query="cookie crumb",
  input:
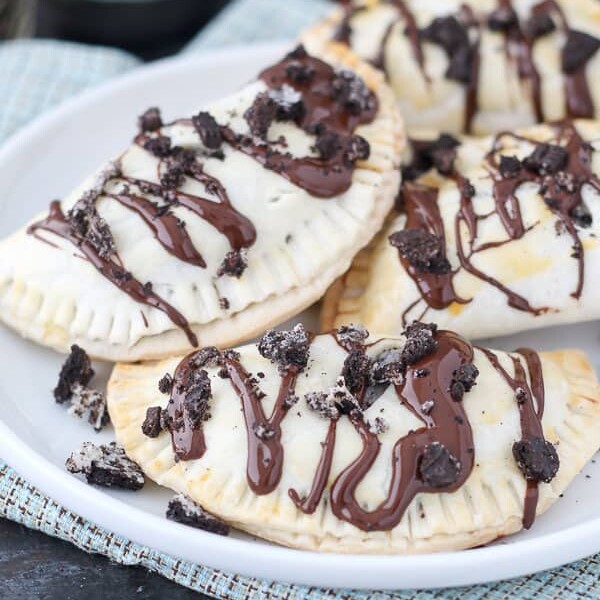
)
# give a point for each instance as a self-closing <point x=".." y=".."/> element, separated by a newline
<point x="77" y="369"/>
<point x="537" y="459"/>
<point x="153" y="423"/>
<point x="420" y="342"/>
<point x="150" y="120"/>
<point x="92" y="402"/>
<point x="165" y="384"/>
<point x="234" y="264"/>
<point x="438" y="467"/>
<point x="463" y="380"/>
<point x="106" y="465"/>
<point x="184" y="510"/>
<point x="423" y="250"/>
<point x="286" y="348"/>
<point x="208" y="129"/>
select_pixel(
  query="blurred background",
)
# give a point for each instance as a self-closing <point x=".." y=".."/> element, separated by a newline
<point x="147" y="28"/>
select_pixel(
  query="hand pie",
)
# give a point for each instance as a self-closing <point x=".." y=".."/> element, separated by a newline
<point x="208" y="230"/>
<point x="347" y="442"/>
<point x="478" y="66"/>
<point x="496" y="235"/>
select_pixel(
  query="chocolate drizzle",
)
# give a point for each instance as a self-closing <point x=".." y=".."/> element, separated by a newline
<point x="530" y="412"/>
<point x="57" y="223"/>
<point x="330" y="102"/>
<point x="560" y="168"/>
<point x="520" y="36"/>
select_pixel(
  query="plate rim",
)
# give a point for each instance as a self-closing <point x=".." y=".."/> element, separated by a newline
<point x="357" y="571"/>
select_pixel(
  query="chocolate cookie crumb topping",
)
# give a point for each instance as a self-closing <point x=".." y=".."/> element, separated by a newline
<point x="350" y="91"/>
<point x="184" y="510"/>
<point x="173" y="177"/>
<point x="510" y="166"/>
<point x="165" y="384"/>
<point x="299" y="72"/>
<point x="440" y="153"/>
<point x="160" y="146"/>
<point x="208" y="357"/>
<point x="106" y="465"/>
<point x="344" y="399"/>
<point x="288" y="101"/>
<point x="581" y="215"/>
<point x="286" y="348"/>
<point x="579" y="48"/>
<point x="150" y="120"/>
<point x="438" y="467"/>
<point x="423" y="250"/>
<point x="463" y="380"/>
<point x="378" y="426"/>
<point x="328" y="144"/>
<point x="356" y="370"/>
<point x="420" y="342"/>
<point x="263" y="431"/>
<point x="234" y="264"/>
<point x="261" y="115"/>
<point x="547" y="159"/>
<point x="503" y="19"/>
<point x="91" y="402"/>
<point x="197" y="395"/>
<point x="153" y="423"/>
<point x="208" y="129"/>
<point x="351" y="335"/>
<point x="77" y="369"/>
<point x="388" y="367"/>
<point x="323" y="404"/>
<point x="357" y="148"/>
<point x="537" y="459"/>
<point x="89" y="226"/>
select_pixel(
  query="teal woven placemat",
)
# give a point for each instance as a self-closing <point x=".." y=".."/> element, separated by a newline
<point x="36" y="75"/>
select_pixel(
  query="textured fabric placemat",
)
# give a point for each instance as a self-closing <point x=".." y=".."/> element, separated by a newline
<point x="36" y="75"/>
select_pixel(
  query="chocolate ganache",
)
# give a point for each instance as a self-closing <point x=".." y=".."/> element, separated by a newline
<point x="459" y="36"/>
<point x="560" y="167"/>
<point x="430" y="375"/>
<point x="321" y="101"/>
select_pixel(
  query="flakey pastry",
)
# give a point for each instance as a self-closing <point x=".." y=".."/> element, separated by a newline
<point x="494" y="236"/>
<point x="347" y="442"/>
<point x="210" y="229"/>
<point x="478" y="66"/>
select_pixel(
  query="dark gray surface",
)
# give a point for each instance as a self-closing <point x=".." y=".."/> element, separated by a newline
<point x="34" y="566"/>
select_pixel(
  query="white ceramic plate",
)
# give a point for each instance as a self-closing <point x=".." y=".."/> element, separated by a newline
<point x="44" y="161"/>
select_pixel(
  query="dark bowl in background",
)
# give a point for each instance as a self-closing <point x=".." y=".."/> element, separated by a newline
<point x="148" y="28"/>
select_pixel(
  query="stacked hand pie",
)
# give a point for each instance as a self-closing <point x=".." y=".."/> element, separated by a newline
<point x="390" y="432"/>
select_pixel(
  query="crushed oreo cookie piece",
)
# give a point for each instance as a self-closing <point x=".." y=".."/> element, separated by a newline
<point x="263" y="431"/>
<point x="438" y="467"/>
<point x="344" y="399"/>
<point x="439" y="154"/>
<point x="106" y="465"/>
<point x="537" y="459"/>
<point x="234" y="264"/>
<point x="388" y="367"/>
<point x="351" y="335"/>
<point x="86" y="401"/>
<point x="378" y="426"/>
<point x="208" y="129"/>
<point x="547" y="159"/>
<point x="173" y="177"/>
<point x="298" y="72"/>
<point x="165" y="384"/>
<point x="197" y="395"/>
<point x="463" y="380"/>
<point x="286" y="348"/>
<point x="159" y="146"/>
<point x="510" y="166"/>
<point x="90" y="227"/>
<point x="210" y="356"/>
<point x="289" y="103"/>
<point x="420" y="342"/>
<point x="328" y="144"/>
<point x="449" y="33"/>
<point x="578" y="50"/>
<point x="356" y="148"/>
<point x="503" y="19"/>
<point x="323" y="404"/>
<point x="539" y="25"/>
<point x="151" y="120"/>
<point x="356" y="370"/>
<point x="184" y="510"/>
<point x="77" y="369"/>
<point x="581" y="215"/>
<point x="184" y="159"/>
<point x="423" y="250"/>
<point x="261" y="114"/>
<point x="351" y="93"/>
<point x="153" y="423"/>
